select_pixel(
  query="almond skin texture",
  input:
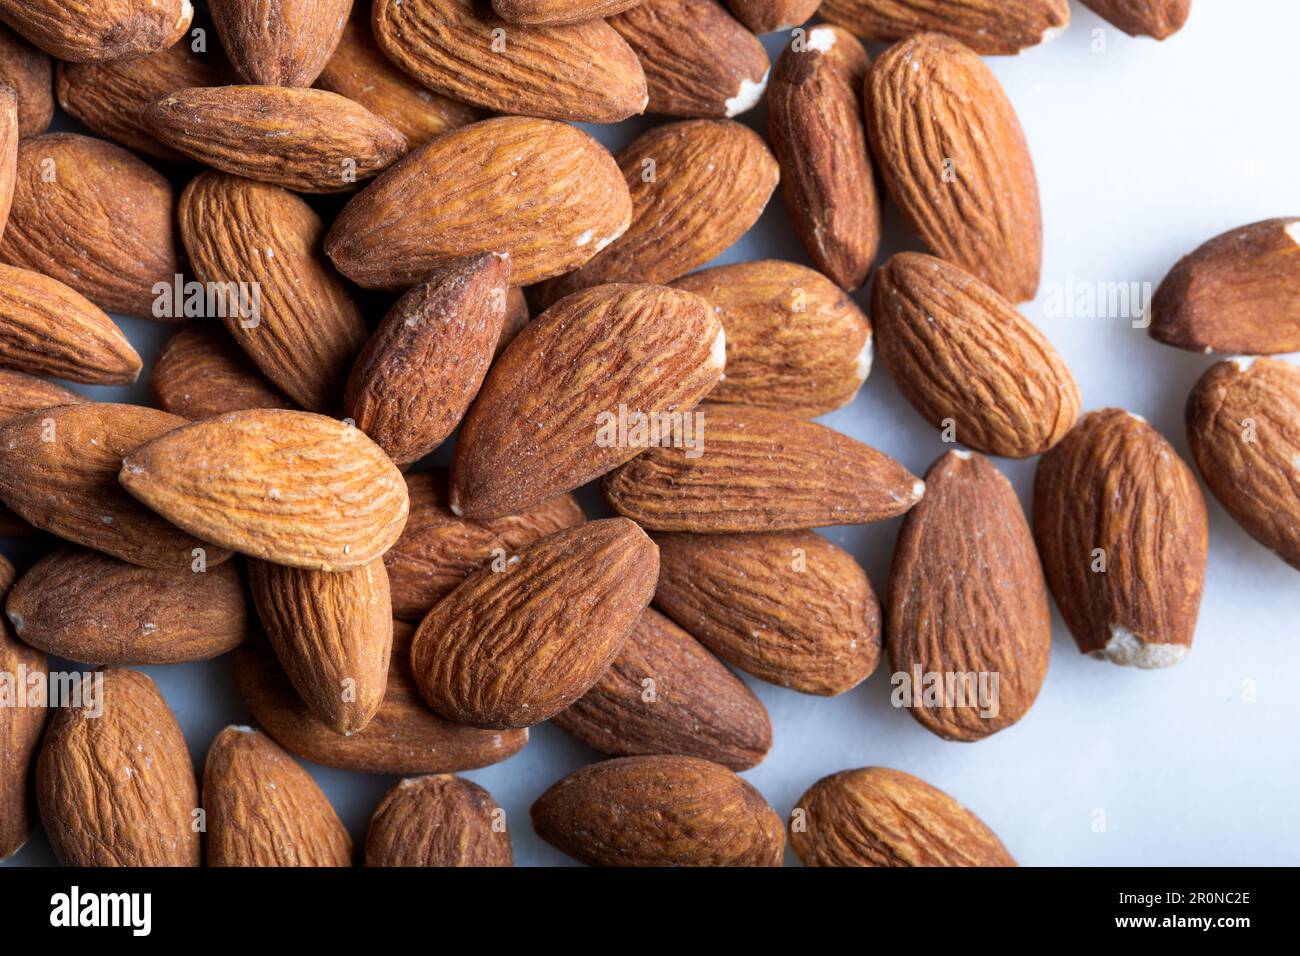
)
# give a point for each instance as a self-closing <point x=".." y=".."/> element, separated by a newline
<point x="8" y="152"/>
<point x="416" y="377"/>
<point x="264" y="810"/>
<point x="515" y="647"/>
<point x="1239" y="292"/>
<point x="1243" y="423"/>
<point x="280" y="42"/>
<point x="665" y="694"/>
<point x="104" y="224"/>
<point x="438" y="821"/>
<point x="768" y="16"/>
<point x="795" y="341"/>
<point x="546" y="194"/>
<point x="88" y="607"/>
<point x="1152" y="18"/>
<point x="114" y="780"/>
<point x="28" y="71"/>
<point x="20" y="729"/>
<point x="989" y="27"/>
<point x="517" y="316"/>
<point x="955" y="160"/>
<point x="708" y="182"/>
<point x="967" y="360"/>
<point x="82" y="31"/>
<point x="21" y="393"/>
<point x="967" y="597"/>
<point x="288" y="487"/>
<point x="761" y="470"/>
<point x="542" y="12"/>
<point x="659" y="811"/>
<point x="437" y="549"/>
<point x="788" y="607"/>
<point x="58" y="469"/>
<point x="546" y="419"/>
<point x="880" y="817"/>
<point x="581" y="73"/>
<point x="1120" y="525"/>
<point x="200" y="373"/>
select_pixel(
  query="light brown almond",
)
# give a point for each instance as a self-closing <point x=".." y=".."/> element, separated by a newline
<point x="21" y="393"/>
<point x="28" y="71"/>
<point x="200" y="373"/>
<point x="768" y="16"/>
<point x="438" y="821"/>
<point x="547" y="12"/>
<point x="280" y="42"/>
<point x="82" y="31"/>
<point x="22" y="718"/>
<point x="989" y="27"/>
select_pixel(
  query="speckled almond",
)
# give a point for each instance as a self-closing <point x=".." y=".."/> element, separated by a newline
<point x="201" y="372"/>
<point x="21" y="724"/>
<point x="90" y="30"/>
<point x="28" y="71"/>
<point x="989" y="27"/>
<point x="438" y="821"/>
<point x="279" y="42"/>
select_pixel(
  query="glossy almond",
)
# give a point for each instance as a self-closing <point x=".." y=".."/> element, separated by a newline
<point x="541" y="12"/>
<point x="91" y="30"/>
<point x="201" y="372"/>
<point x="989" y="27"/>
<point x="21" y="721"/>
<point x="28" y="71"/>
<point x="1160" y="19"/>
<point x="438" y="821"/>
<point x="279" y="42"/>
<point x="21" y="393"/>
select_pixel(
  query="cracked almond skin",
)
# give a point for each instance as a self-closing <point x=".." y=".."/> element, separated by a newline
<point x="58" y="470"/>
<point x="967" y="596"/>
<point x="1239" y="292"/>
<point x="768" y="16"/>
<point x="88" y="607"/>
<point x="279" y="42"/>
<point x="541" y="423"/>
<point x="881" y="817"/>
<point x="953" y="156"/>
<point x="20" y="731"/>
<point x="1114" y="495"/>
<point x="82" y="31"/>
<point x="708" y="182"/>
<point x="264" y="810"/>
<point x="200" y="373"/>
<point x="117" y="788"/>
<point x="514" y="647"/>
<point x="544" y="193"/>
<point x="965" y="357"/>
<point x="103" y="225"/>
<point x="666" y="694"/>
<point x="795" y="341"/>
<point x="788" y="607"/>
<point x="659" y="811"/>
<point x="28" y="71"/>
<point x="1160" y="19"/>
<point x="761" y="470"/>
<point x="438" y="821"/>
<point x="989" y="27"/>
<point x="21" y="393"/>
<point x="551" y="12"/>
<point x="1243" y="424"/>
<point x="310" y="141"/>
<point x="288" y="487"/>
<point x="306" y="329"/>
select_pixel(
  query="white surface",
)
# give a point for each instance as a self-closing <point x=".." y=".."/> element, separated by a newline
<point x="1143" y="151"/>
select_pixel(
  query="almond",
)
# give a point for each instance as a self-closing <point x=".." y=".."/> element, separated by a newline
<point x="1243" y="423"/>
<point x="1121" y="528"/>
<point x="200" y="373"/>
<point x="28" y="71"/>
<point x="21" y="393"/>
<point x="114" y="780"/>
<point x="92" y="30"/>
<point x="968" y="361"/>
<point x="515" y="645"/>
<point x="795" y="341"/>
<point x="955" y="160"/>
<point x="989" y="27"/>
<point x="659" y="811"/>
<point x="280" y="42"/>
<point x="544" y="193"/>
<point x="517" y="316"/>
<point x="263" y="809"/>
<point x="12" y="526"/>
<point x="547" y="418"/>
<point x="8" y="152"/>
<point x="438" y="821"/>
<point x="1153" y="18"/>
<point x="761" y="470"/>
<point x="543" y="12"/>
<point x="21" y="722"/>
<point x="288" y="487"/>
<point x="768" y="16"/>
<point x="880" y="817"/>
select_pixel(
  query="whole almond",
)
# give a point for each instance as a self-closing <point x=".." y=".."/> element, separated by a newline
<point x="438" y="821"/>
<point x="768" y="16"/>
<point x="1153" y="18"/>
<point x="955" y="160"/>
<point x="28" y="71"/>
<point x="81" y="31"/>
<point x="21" y="393"/>
<point x="1121" y="528"/>
<point x="543" y="12"/>
<point x="989" y="27"/>
<point x="280" y="42"/>
<point x="22" y="720"/>
<point x="659" y="811"/>
<point x="200" y="373"/>
<point x="8" y="152"/>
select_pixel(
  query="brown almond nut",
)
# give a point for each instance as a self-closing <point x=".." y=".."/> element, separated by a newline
<point x="333" y="633"/>
<point x="795" y="341"/>
<point x="82" y="31"/>
<point x="96" y="218"/>
<point x="114" y="781"/>
<point x="987" y="628"/>
<point x="659" y="811"/>
<point x="415" y="378"/>
<point x="22" y="719"/>
<point x="403" y="737"/>
<point x="12" y="526"/>
<point x="754" y="469"/>
<point x="696" y="188"/>
<point x="1239" y="292"/>
<point x="287" y="309"/>
<point x="280" y="42"/>
<point x="263" y="809"/>
<point x="1243" y="423"/>
<point x="438" y="821"/>
<point x="547" y="419"/>
<point x="29" y="72"/>
<point x="954" y="158"/>
<point x="550" y="12"/>
<point x="200" y="373"/>
<point x="1152" y="18"/>
<point x="880" y="817"/>
<point x="989" y="27"/>
<point x="1121" y="528"/>
<point x="58" y="469"/>
<point x="582" y="72"/>
<point x="517" y="316"/>
<point x="665" y="694"/>
<point x="88" y="607"/>
<point x="287" y="487"/>
<point x="788" y="607"/>
<point x="437" y="549"/>
<point x="21" y="393"/>
<point x="514" y="647"/>
<point x="968" y="361"/>
<point x="768" y="16"/>
<point x="8" y="152"/>
<point x="544" y="193"/>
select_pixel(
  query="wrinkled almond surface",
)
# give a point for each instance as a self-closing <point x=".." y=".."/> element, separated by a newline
<point x="20" y="731"/>
<point x="986" y="26"/>
<point x="200" y="372"/>
<point x="438" y="821"/>
<point x="280" y="42"/>
<point x="27" y="71"/>
<point x="89" y="30"/>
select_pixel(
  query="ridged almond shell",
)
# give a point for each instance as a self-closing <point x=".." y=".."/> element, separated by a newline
<point x="28" y="71"/>
<point x="20" y="730"/>
<point x="201" y="372"/>
<point x="279" y="42"/>
<point x="21" y="393"/>
<point x="547" y="12"/>
<point x="989" y="27"/>
<point x="82" y="31"/>
<point x="438" y="821"/>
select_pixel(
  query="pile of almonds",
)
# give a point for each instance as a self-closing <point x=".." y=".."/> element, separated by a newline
<point x="389" y="618"/>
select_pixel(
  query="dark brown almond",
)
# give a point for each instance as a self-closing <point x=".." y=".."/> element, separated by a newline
<point x="88" y="30"/>
<point x="200" y="373"/>
<point x="29" y="72"/>
<point x="1152" y="18"/>
<point x="989" y="27"/>
<point x="438" y="821"/>
<point x="21" y="393"/>
<point x="280" y="42"/>
<point x="22" y="718"/>
<point x="543" y="12"/>
<point x="12" y="526"/>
